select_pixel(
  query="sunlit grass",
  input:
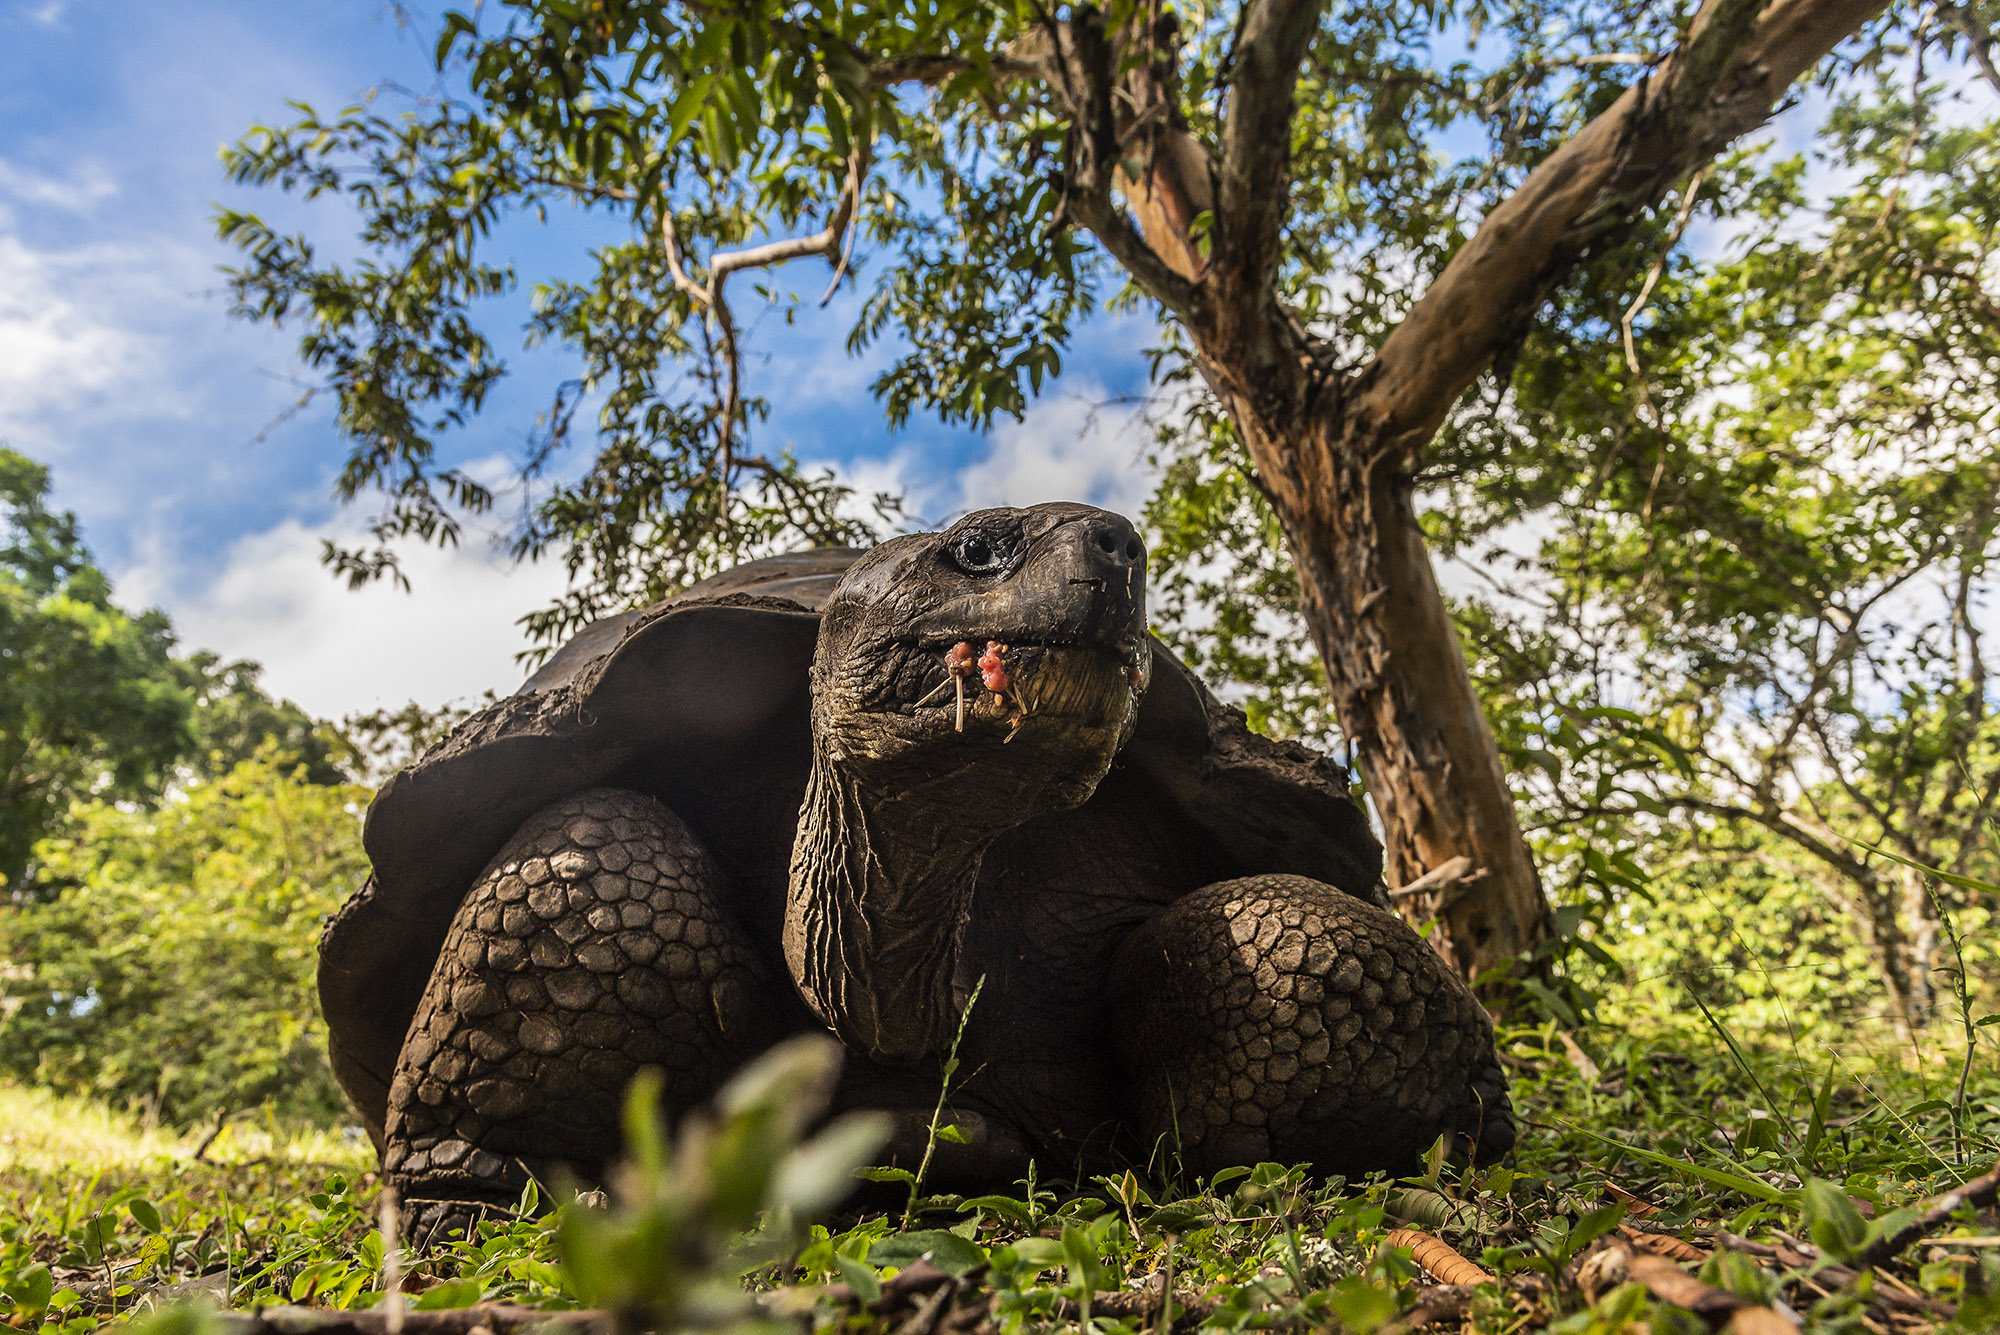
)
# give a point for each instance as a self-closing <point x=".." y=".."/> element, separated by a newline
<point x="44" y="1132"/>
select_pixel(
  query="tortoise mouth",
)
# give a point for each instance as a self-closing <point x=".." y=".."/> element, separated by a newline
<point x="996" y="681"/>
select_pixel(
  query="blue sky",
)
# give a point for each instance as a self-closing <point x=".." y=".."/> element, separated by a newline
<point x="120" y="368"/>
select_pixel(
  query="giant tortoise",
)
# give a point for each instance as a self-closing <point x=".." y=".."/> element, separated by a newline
<point x="838" y="790"/>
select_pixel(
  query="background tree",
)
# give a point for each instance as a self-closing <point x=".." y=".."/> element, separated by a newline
<point x="173" y="970"/>
<point x="1284" y="199"/>
<point x="91" y="700"/>
<point x="94" y="702"/>
<point x="235" y="720"/>
<point x="171" y="835"/>
<point x="1782" y="558"/>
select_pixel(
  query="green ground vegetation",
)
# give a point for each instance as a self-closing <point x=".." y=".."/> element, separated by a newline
<point x="1743" y="1142"/>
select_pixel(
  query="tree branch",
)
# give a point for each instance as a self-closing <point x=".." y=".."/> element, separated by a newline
<point x="1980" y="1191"/>
<point x="1174" y="181"/>
<point x="1722" y="82"/>
<point x="1977" y="39"/>
<point x="1087" y="71"/>
<point x="1253" y="195"/>
<point x="1845" y="863"/>
<point x="826" y="242"/>
<point x="933" y="70"/>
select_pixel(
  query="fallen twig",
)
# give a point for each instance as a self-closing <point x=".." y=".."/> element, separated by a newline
<point x="1980" y="1191"/>
<point x="1669" y="1283"/>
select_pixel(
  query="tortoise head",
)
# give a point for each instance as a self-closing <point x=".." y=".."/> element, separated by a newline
<point x="964" y="682"/>
<point x="1039" y="615"/>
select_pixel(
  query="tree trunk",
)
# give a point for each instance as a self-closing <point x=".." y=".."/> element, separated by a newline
<point x="1904" y="965"/>
<point x="1397" y="668"/>
<point x="1920" y="948"/>
<point x="1401" y="686"/>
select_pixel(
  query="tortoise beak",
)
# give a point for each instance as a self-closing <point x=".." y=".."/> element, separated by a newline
<point x="1086" y="584"/>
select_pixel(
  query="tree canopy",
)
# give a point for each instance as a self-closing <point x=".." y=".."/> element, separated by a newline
<point x="91" y="699"/>
<point x="173" y="970"/>
<point x="95" y="702"/>
<point x="1341" y="219"/>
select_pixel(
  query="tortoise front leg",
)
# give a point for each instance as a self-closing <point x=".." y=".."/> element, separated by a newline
<point x="594" y="944"/>
<point x="1276" y="1018"/>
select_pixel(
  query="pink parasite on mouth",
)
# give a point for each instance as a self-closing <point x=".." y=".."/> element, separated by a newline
<point x="993" y="667"/>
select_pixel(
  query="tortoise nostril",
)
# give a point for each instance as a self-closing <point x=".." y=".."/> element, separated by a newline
<point x="1107" y="542"/>
<point x="1133" y="550"/>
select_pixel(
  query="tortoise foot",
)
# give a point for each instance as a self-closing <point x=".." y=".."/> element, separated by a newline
<point x="430" y="1225"/>
<point x="1276" y="1018"/>
<point x="594" y="944"/>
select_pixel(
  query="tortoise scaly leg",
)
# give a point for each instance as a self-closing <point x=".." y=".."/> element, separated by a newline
<point x="1276" y="1018"/>
<point x="594" y="944"/>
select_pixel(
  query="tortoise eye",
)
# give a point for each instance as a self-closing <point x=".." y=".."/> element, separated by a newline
<point x="976" y="555"/>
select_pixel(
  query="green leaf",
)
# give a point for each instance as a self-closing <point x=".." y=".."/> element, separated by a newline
<point x="1816" y="1128"/>
<point x="947" y="1251"/>
<point x="31" y="1289"/>
<point x="144" y="1214"/>
<point x="860" y="1276"/>
<point x="690" y="103"/>
<point x="1835" y="1226"/>
<point x="645" y="1135"/>
<point x="1739" y="1182"/>
<point x="1595" y="1225"/>
<point x="1080" y="1251"/>
<point x="450" y="1295"/>
<point x="1360" y="1305"/>
<point x="1040" y="1253"/>
<point x="1182" y="1216"/>
<point x="1007" y="1207"/>
<point x="876" y="1174"/>
<point x="819" y="1173"/>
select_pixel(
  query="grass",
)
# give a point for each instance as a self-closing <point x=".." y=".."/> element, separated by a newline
<point x="1804" y="1151"/>
<point x="43" y="1132"/>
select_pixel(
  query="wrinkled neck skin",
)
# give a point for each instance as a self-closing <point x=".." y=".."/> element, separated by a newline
<point x="880" y="892"/>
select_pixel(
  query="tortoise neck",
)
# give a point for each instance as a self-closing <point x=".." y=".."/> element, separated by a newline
<point x="877" y="903"/>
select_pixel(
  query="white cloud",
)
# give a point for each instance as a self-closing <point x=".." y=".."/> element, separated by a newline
<point x="1078" y="445"/>
<point x="336" y="651"/>
<point x="87" y="186"/>
<point x="54" y="348"/>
